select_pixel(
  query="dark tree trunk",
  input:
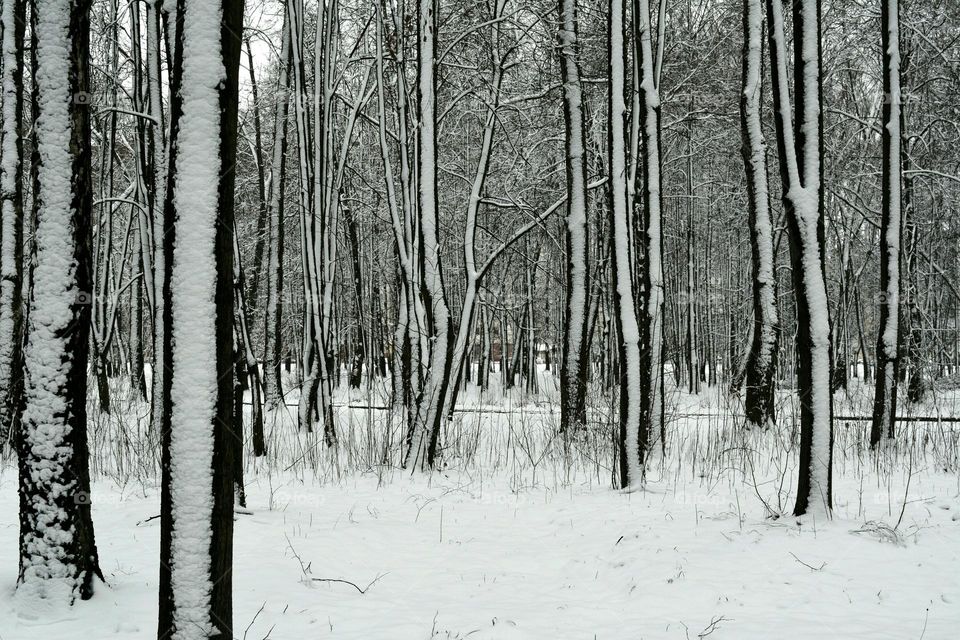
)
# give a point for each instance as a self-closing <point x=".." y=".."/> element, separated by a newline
<point x="11" y="263"/>
<point x="888" y="340"/>
<point x="801" y="169"/>
<point x="355" y="373"/>
<point x="53" y="466"/>
<point x="241" y="382"/>
<point x="217" y="518"/>
<point x="261" y="232"/>
<point x="761" y="361"/>
<point x="573" y="364"/>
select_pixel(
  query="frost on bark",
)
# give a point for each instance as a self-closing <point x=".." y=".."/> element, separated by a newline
<point x="761" y="361"/>
<point x="196" y="512"/>
<point x="58" y="553"/>
<point x="888" y="341"/>
<point x="800" y="153"/>
<point x="652" y="287"/>
<point x="574" y="363"/>
<point x="624" y="309"/>
<point x="424" y="427"/>
<point x="12" y="17"/>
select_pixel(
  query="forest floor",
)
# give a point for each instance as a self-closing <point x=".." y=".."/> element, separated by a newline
<point x="515" y="540"/>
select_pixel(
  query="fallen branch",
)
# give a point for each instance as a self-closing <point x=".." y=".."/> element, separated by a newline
<point x="305" y="569"/>
<point x="820" y="568"/>
<point x="362" y="591"/>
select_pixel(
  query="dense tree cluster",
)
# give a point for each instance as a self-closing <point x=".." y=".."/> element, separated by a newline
<point x="640" y="196"/>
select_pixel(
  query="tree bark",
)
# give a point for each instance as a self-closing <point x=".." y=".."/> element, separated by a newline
<point x="272" y="386"/>
<point x="801" y="170"/>
<point x="12" y="26"/>
<point x="888" y="340"/>
<point x="652" y="288"/>
<point x="425" y="427"/>
<point x="762" y="358"/>
<point x="58" y="552"/>
<point x="573" y="366"/>
<point x="197" y="491"/>
<point x="621" y="273"/>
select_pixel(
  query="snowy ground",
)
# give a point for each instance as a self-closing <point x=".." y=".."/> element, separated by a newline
<point x="514" y="541"/>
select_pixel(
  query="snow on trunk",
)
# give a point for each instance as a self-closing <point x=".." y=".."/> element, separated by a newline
<point x="272" y="389"/>
<point x="888" y="341"/>
<point x="625" y="312"/>
<point x="423" y="431"/>
<point x="761" y="361"/>
<point x="651" y="327"/>
<point x="197" y="496"/>
<point x="800" y="152"/>
<point x="11" y="215"/>
<point x="58" y="555"/>
<point x="573" y="368"/>
<point x="159" y="152"/>
<point x="406" y="365"/>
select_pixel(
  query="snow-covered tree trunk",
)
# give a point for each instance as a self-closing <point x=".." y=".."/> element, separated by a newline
<point x="12" y="22"/>
<point x="142" y="296"/>
<point x="691" y="348"/>
<point x="272" y="388"/>
<point x="651" y="291"/>
<point x="359" y="341"/>
<point x="196" y="512"/>
<point x="624" y="309"/>
<point x="326" y="190"/>
<point x="574" y="365"/>
<point x="309" y="369"/>
<point x="260" y="239"/>
<point x="156" y="179"/>
<point x="888" y="341"/>
<point x="410" y="336"/>
<point x="425" y="427"/>
<point x="800" y="147"/>
<point x="761" y="361"/>
<point x="58" y="553"/>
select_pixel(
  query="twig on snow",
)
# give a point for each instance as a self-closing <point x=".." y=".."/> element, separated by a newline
<point x="812" y="568"/>
<point x="362" y="591"/>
